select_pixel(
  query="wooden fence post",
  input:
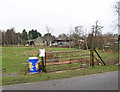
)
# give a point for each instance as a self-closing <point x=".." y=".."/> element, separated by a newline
<point x="45" y="63"/>
<point x="92" y="57"/>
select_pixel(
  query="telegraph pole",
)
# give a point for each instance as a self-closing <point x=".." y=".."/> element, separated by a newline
<point x="119" y="28"/>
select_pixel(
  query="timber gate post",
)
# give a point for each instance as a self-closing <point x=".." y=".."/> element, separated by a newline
<point x="43" y="59"/>
<point x="91" y="57"/>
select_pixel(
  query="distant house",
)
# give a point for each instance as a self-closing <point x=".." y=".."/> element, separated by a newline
<point x="39" y="41"/>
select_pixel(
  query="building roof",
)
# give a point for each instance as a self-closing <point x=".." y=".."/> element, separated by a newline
<point x="39" y="40"/>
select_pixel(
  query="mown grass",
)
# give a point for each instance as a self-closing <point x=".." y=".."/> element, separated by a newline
<point x="50" y="76"/>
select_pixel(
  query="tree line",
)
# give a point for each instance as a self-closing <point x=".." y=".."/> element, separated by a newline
<point x="84" y="40"/>
<point x="78" y="35"/>
<point x="10" y="37"/>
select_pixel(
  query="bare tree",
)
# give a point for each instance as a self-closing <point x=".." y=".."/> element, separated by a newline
<point x="19" y="38"/>
<point x="10" y="37"/>
<point x="3" y="38"/>
<point x="77" y="35"/>
<point x="63" y="36"/>
<point x="86" y="43"/>
<point x="97" y="31"/>
<point x="48" y="32"/>
<point x="117" y="9"/>
<point x="70" y="35"/>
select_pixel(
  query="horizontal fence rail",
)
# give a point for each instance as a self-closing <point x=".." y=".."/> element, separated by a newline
<point x="67" y="60"/>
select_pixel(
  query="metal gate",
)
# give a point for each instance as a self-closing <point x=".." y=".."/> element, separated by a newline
<point x="67" y="60"/>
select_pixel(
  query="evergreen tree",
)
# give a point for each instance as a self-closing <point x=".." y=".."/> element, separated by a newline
<point x="33" y="34"/>
<point x="24" y="37"/>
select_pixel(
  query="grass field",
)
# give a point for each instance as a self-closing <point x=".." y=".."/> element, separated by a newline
<point x="13" y="59"/>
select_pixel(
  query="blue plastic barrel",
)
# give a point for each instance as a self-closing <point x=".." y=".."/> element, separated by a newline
<point x="33" y="65"/>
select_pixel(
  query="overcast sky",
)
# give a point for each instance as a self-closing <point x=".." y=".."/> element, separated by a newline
<point x="59" y="15"/>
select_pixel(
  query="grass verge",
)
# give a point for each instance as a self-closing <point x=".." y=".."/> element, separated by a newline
<point x="50" y="76"/>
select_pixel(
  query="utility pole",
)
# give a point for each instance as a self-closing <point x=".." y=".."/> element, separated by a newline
<point x="119" y="28"/>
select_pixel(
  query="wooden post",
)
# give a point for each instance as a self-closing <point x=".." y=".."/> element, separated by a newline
<point x="42" y="55"/>
<point x="90" y="57"/>
<point x="92" y="47"/>
<point x="92" y="53"/>
<point x="43" y="67"/>
<point x="45" y="63"/>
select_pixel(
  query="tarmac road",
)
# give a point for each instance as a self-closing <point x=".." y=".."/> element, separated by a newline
<point x="103" y="81"/>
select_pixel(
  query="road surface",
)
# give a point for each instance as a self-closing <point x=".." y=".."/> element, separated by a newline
<point x="103" y="81"/>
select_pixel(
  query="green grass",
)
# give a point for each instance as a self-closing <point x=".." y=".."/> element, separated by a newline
<point x="109" y="58"/>
<point x="14" y="57"/>
<point x="50" y="76"/>
<point x="64" y="66"/>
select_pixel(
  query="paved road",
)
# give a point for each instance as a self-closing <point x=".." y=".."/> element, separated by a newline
<point x="103" y="81"/>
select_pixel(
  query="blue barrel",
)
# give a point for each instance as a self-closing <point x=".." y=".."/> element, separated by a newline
<point x="33" y="65"/>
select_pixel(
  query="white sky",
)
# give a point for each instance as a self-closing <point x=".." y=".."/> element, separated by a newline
<point x="59" y="15"/>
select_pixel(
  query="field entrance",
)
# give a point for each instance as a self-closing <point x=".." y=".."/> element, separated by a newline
<point x="66" y="60"/>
